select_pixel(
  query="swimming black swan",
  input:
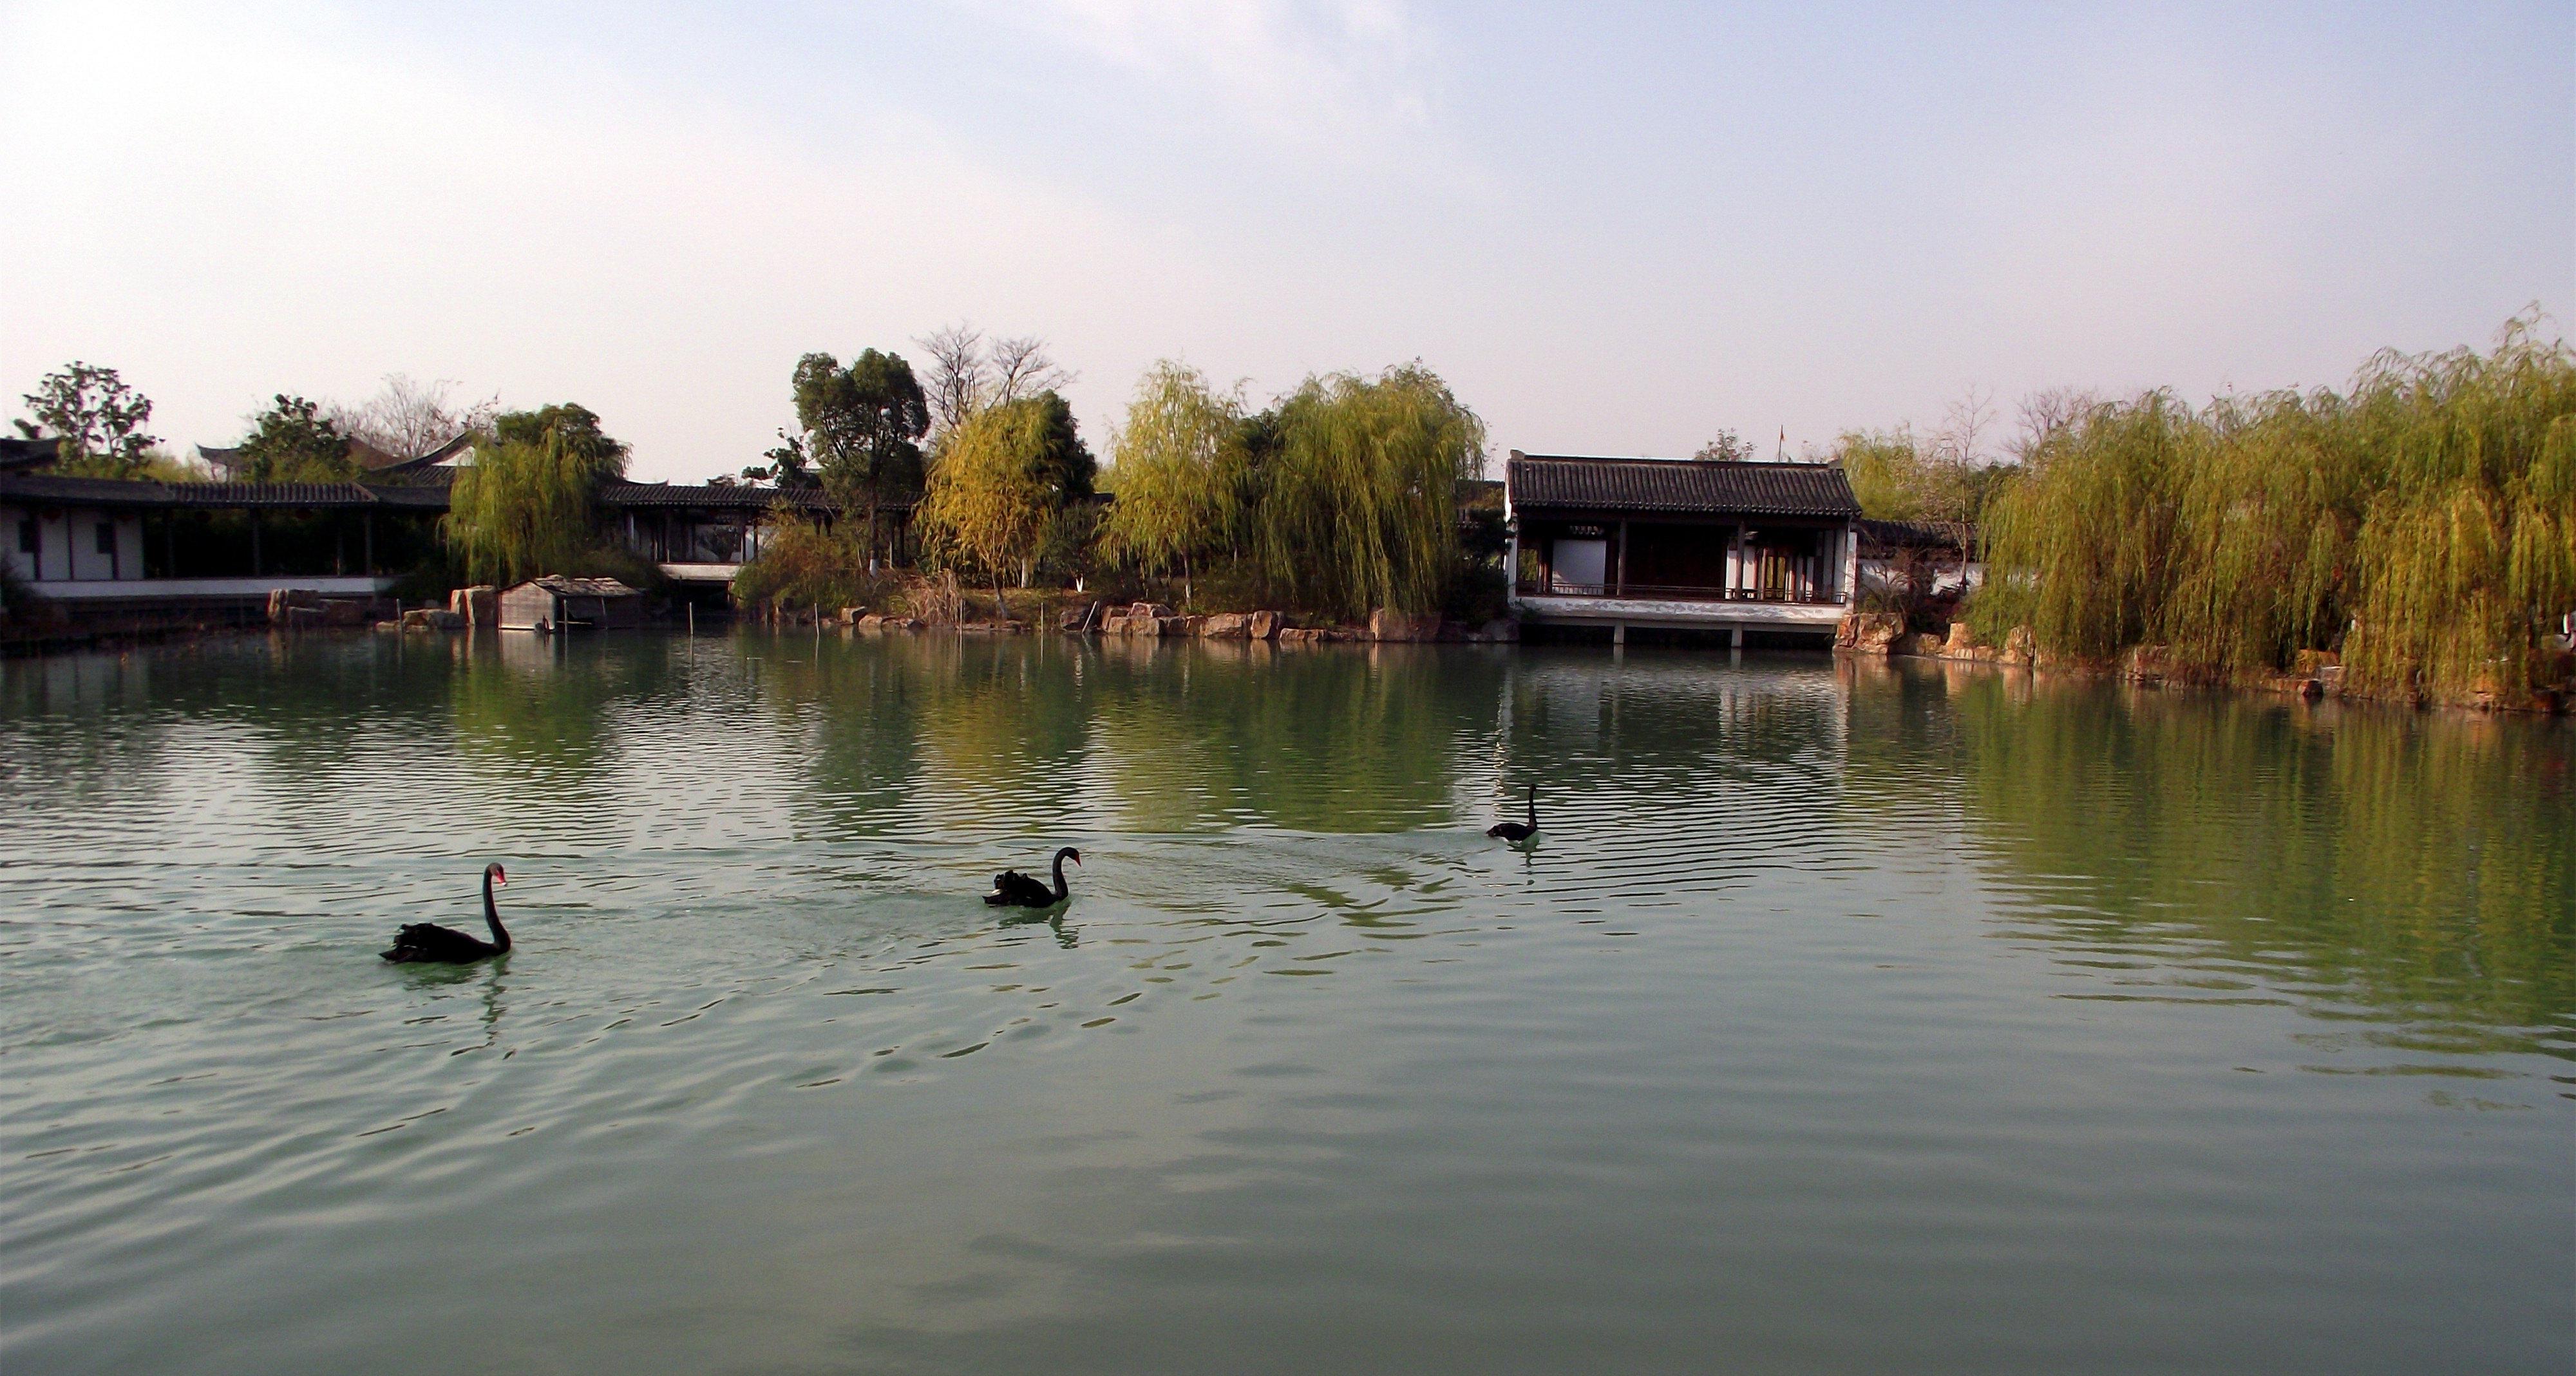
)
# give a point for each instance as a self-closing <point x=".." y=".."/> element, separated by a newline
<point x="427" y="941"/>
<point x="1013" y="889"/>
<point x="1514" y="831"/>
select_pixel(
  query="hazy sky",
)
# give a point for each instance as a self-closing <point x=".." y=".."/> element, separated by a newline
<point x="1614" y="229"/>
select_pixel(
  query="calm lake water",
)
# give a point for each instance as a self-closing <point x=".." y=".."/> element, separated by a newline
<point x="1845" y="1019"/>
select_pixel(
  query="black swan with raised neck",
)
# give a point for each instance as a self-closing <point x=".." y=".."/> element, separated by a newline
<point x="1516" y="831"/>
<point x="1012" y="889"/>
<point x="427" y="941"/>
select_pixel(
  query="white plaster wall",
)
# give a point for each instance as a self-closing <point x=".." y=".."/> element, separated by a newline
<point x="67" y="539"/>
<point x="18" y="563"/>
<point x="87" y="562"/>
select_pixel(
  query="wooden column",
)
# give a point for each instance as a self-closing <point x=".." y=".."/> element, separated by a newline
<point x="1619" y="580"/>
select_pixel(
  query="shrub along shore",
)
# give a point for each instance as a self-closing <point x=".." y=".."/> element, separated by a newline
<point x="2416" y="533"/>
<point x="2411" y="538"/>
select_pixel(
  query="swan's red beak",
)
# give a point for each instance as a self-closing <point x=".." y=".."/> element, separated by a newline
<point x="500" y="875"/>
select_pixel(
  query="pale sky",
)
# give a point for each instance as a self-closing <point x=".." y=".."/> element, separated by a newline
<point x="1613" y="229"/>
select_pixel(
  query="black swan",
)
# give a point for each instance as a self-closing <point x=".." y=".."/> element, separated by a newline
<point x="1515" y="831"/>
<point x="427" y="941"/>
<point x="1013" y="889"/>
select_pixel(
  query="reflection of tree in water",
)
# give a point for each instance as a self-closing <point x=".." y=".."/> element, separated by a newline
<point x="1322" y="740"/>
<point x="865" y="752"/>
<point x="542" y="702"/>
<point x="1680" y="715"/>
<point x="312" y="708"/>
<point x="2422" y="864"/>
<point x="1004" y="727"/>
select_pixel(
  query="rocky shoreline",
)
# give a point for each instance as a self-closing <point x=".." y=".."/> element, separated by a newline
<point x="2318" y="674"/>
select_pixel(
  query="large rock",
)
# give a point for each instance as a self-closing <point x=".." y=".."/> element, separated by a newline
<point x="1385" y="624"/>
<point x="1149" y="610"/>
<point x="1303" y="635"/>
<point x="282" y="601"/>
<point x="2020" y="646"/>
<point x="1869" y="633"/>
<point x="1227" y="626"/>
<point x="1503" y="628"/>
<point x="1265" y="625"/>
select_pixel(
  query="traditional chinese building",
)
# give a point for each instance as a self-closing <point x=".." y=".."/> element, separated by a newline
<point x="1684" y="544"/>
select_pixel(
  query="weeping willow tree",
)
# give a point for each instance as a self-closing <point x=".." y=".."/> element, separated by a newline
<point x="2420" y="523"/>
<point x="988" y="498"/>
<point x="1358" y="499"/>
<point x="1179" y="470"/>
<point x="2470" y="546"/>
<point x="523" y="507"/>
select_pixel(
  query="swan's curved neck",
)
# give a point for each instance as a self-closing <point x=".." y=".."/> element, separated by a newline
<point x="1060" y="890"/>
<point x="492" y="915"/>
<point x="1533" y="811"/>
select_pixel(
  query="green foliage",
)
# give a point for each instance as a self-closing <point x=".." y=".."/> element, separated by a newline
<point x="97" y="420"/>
<point x="862" y="427"/>
<point x="1343" y="498"/>
<point x="291" y="442"/>
<point x="2421" y="523"/>
<point x="1002" y="476"/>
<point x="1178" y="466"/>
<point x="804" y="563"/>
<point x="1886" y="470"/>
<point x="576" y="428"/>
<point x="523" y="507"/>
<point x="1901" y="478"/>
<point x="1358" y="480"/>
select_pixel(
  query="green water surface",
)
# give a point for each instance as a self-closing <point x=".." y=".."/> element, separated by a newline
<point x="1844" y="1019"/>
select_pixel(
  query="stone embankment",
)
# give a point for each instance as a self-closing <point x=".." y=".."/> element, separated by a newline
<point x="1154" y="619"/>
<point x="2315" y="674"/>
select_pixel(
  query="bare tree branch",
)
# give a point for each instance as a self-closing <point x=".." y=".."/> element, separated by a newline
<point x="957" y="377"/>
<point x="408" y="419"/>
<point x="1021" y="369"/>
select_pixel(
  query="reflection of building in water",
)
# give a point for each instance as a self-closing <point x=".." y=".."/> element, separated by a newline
<point x="77" y="682"/>
<point x="1765" y="548"/>
<point x="1679" y="722"/>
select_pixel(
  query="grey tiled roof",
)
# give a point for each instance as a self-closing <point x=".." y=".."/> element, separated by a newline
<point x="722" y="498"/>
<point x="49" y="490"/>
<point x="1877" y="535"/>
<point x="564" y="585"/>
<point x="1678" y="486"/>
